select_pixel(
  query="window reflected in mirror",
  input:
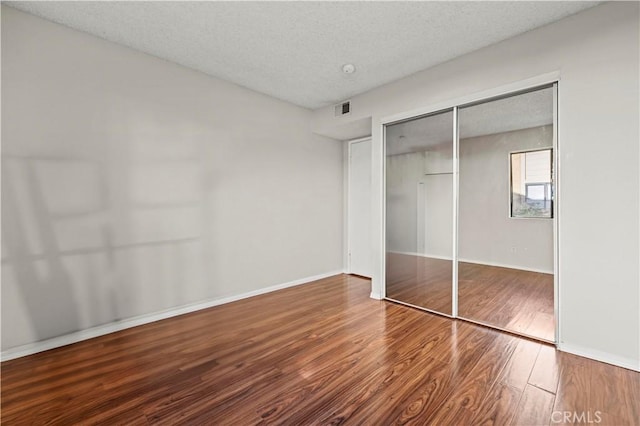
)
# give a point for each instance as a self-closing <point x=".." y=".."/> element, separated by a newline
<point x="532" y="184"/>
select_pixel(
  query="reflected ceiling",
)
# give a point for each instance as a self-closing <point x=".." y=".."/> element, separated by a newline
<point x="523" y="111"/>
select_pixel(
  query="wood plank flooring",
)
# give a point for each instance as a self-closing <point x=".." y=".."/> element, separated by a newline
<point x="511" y="299"/>
<point x="320" y="353"/>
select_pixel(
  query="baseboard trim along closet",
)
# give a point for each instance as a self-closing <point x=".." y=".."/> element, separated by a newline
<point x="413" y="253"/>
<point x="606" y="357"/>
<point x="504" y="265"/>
<point x="90" y="333"/>
<point x="477" y="262"/>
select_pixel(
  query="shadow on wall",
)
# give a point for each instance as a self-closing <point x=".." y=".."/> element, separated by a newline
<point x="91" y="241"/>
<point x="42" y="281"/>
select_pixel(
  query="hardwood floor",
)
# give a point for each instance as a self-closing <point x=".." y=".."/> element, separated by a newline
<point x="320" y="353"/>
<point x="510" y="299"/>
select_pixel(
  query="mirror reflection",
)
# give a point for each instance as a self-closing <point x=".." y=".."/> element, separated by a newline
<point x="505" y="238"/>
<point x="531" y="184"/>
<point x="419" y="212"/>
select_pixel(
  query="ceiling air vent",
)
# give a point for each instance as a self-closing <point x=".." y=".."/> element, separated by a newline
<point x="343" y="108"/>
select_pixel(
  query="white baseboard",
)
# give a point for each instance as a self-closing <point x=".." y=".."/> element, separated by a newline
<point x="477" y="262"/>
<point x="504" y="265"/>
<point x="376" y="296"/>
<point x="628" y="363"/>
<point x="101" y="330"/>
<point x="431" y="256"/>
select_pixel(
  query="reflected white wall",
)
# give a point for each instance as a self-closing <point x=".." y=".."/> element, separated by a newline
<point x="486" y="233"/>
<point x="419" y="200"/>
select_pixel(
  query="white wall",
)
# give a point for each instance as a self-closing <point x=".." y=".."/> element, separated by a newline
<point x="486" y="233"/>
<point x="596" y="54"/>
<point x="132" y="185"/>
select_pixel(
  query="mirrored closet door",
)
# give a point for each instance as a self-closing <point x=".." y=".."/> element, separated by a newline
<point x="470" y="214"/>
<point x="505" y="214"/>
<point x="419" y="211"/>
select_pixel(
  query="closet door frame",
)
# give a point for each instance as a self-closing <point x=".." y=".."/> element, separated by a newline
<point x="349" y="243"/>
<point x="546" y="80"/>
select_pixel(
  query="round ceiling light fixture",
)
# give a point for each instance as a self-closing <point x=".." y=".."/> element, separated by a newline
<point x="348" y="68"/>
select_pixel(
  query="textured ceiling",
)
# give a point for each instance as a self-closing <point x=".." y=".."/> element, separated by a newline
<point x="522" y="111"/>
<point x="295" y="50"/>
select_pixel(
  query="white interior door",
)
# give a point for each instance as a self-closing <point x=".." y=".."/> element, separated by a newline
<point x="359" y="208"/>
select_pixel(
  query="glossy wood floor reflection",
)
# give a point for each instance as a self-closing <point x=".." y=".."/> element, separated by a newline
<point x="321" y="353"/>
<point x="419" y="281"/>
<point x="511" y="299"/>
